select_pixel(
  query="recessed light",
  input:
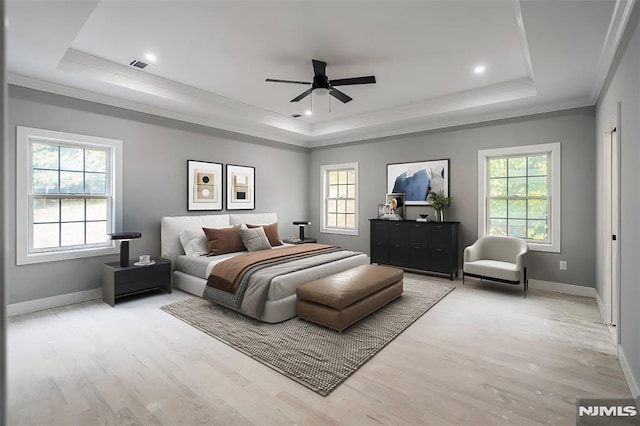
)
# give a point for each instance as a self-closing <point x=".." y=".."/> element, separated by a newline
<point x="479" y="69"/>
<point x="150" y="57"/>
<point x="308" y="112"/>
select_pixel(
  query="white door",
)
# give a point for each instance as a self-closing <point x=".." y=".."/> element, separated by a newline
<point x="615" y="228"/>
<point x="611" y="292"/>
<point x="612" y="229"/>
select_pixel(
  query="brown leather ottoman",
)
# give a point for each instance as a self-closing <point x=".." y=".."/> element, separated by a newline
<point x="342" y="299"/>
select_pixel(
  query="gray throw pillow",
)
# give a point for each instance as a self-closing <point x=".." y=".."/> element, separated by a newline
<point x="255" y="239"/>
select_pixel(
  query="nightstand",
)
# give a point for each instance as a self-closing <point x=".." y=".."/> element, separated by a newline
<point x="118" y="281"/>
<point x="299" y="241"/>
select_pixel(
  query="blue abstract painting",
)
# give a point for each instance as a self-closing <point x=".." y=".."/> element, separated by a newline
<point x="416" y="180"/>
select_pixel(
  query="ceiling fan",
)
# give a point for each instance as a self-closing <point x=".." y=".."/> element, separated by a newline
<point x="322" y="85"/>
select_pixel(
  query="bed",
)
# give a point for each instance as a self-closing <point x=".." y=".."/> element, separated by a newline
<point x="190" y="272"/>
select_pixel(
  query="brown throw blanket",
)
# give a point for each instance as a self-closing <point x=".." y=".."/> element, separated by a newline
<point x="226" y="276"/>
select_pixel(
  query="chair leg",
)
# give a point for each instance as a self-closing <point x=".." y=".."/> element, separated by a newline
<point x="463" y="276"/>
<point x="525" y="283"/>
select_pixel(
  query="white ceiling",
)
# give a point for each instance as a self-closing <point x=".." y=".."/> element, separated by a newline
<point x="213" y="58"/>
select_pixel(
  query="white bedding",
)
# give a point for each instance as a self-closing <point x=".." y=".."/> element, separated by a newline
<point x="281" y="286"/>
<point x="190" y="273"/>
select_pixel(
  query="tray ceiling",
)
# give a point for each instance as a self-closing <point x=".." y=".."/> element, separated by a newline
<point x="213" y="58"/>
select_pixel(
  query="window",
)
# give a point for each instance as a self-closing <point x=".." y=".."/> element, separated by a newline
<point x="68" y="192"/>
<point x="519" y="194"/>
<point x="340" y="199"/>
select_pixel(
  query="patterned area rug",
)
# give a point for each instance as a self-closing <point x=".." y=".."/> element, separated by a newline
<point x="314" y="356"/>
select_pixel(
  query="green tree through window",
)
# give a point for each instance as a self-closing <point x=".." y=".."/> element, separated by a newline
<point x="69" y="197"/>
<point x="518" y="201"/>
<point x="339" y="198"/>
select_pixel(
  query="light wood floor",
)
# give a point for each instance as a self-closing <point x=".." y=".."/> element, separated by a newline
<point x="483" y="355"/>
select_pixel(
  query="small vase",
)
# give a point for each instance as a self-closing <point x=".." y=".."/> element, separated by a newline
<point x="440" y="215"/>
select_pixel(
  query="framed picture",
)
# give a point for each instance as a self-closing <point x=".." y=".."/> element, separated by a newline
<point x="204" y="185"/>
<point x="383" y="210"/>
<point x="416" y="180"/>
<point x="396" y="205"/>
<point x="241" y="190"/>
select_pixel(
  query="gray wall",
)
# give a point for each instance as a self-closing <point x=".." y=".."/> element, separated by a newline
<point x="623" y="86"/>
<point x="573" y="128"/>
<point x="156" y="151"/>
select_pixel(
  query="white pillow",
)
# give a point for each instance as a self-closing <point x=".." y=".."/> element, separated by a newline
<point x="194" y="243"/>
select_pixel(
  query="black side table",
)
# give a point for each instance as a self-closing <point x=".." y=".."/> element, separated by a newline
<point x="120" y="281"/>
<point x="306" y="240"/>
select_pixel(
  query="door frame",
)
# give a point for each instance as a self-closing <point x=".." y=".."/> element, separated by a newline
<point x="611" y="285"/>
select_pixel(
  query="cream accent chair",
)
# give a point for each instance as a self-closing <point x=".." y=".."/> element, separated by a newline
<point x="498" y="259"/>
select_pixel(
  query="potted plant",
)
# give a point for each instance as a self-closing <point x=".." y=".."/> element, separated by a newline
<point x="439" y="202"/>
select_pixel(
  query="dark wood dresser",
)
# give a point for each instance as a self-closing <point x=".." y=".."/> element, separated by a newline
<point x="425" y="246"/>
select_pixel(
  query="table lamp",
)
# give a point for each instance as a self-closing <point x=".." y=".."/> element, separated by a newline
<point x="301" y="224"/>
<point x="124" y="238"/>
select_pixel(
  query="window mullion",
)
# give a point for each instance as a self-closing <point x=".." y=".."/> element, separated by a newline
<point x="59" y="221"/>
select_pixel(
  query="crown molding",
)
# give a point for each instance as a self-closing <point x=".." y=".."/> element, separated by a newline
<point x="524" y="41"/>
<point x="449" y="121"/>
<point x="414" y="125"/>
<point x="245" y="127"/>
<point x="429" y="111"/>
<point x="372" y="125"/>
<point x="615" y="32"/>
<point x="95" y="68"/>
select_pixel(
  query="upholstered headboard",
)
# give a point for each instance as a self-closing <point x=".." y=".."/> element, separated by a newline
<point x="171" y="226"/>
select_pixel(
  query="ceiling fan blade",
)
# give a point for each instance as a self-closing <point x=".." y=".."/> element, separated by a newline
<point x="301" y="96"/>
<point x="355" y="80"/>
<point x="272" y="80"/>
<point x="340" y="96"/>
<point x="319" y="68"/>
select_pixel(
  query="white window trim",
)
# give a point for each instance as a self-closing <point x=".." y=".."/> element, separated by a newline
<point x="23" y="228"/>
<point x="323" y="190"/>
<point x="555" y="186"/>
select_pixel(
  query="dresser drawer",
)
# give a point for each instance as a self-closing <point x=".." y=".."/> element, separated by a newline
<point x="398" y="233"/>
<point x="441" y="236"/>
<point x="379" y="231"/>
<point x="418" y="235"/>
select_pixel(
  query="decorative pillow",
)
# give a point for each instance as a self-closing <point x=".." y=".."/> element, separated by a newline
<point x="254" y="239"/>
<point x="224" y="240"/>
<point x="272" y="233"/>
<point x="194" y="243"/>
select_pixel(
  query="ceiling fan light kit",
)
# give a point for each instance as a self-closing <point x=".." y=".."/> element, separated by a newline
<point x="321" y="85"/>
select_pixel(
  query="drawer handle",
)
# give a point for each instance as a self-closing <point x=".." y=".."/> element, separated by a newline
<point x="396" y="245"/>
<point x="417" y="247"/>
<point x="438" y="249"/>
<point x="439" y="226"/>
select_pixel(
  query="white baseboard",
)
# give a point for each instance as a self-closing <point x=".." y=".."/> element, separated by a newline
<point x="53" y="302"/>
<point x="628" y="374"/>
<point x="601" y="309"/>
<point x="576" y="290"/>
